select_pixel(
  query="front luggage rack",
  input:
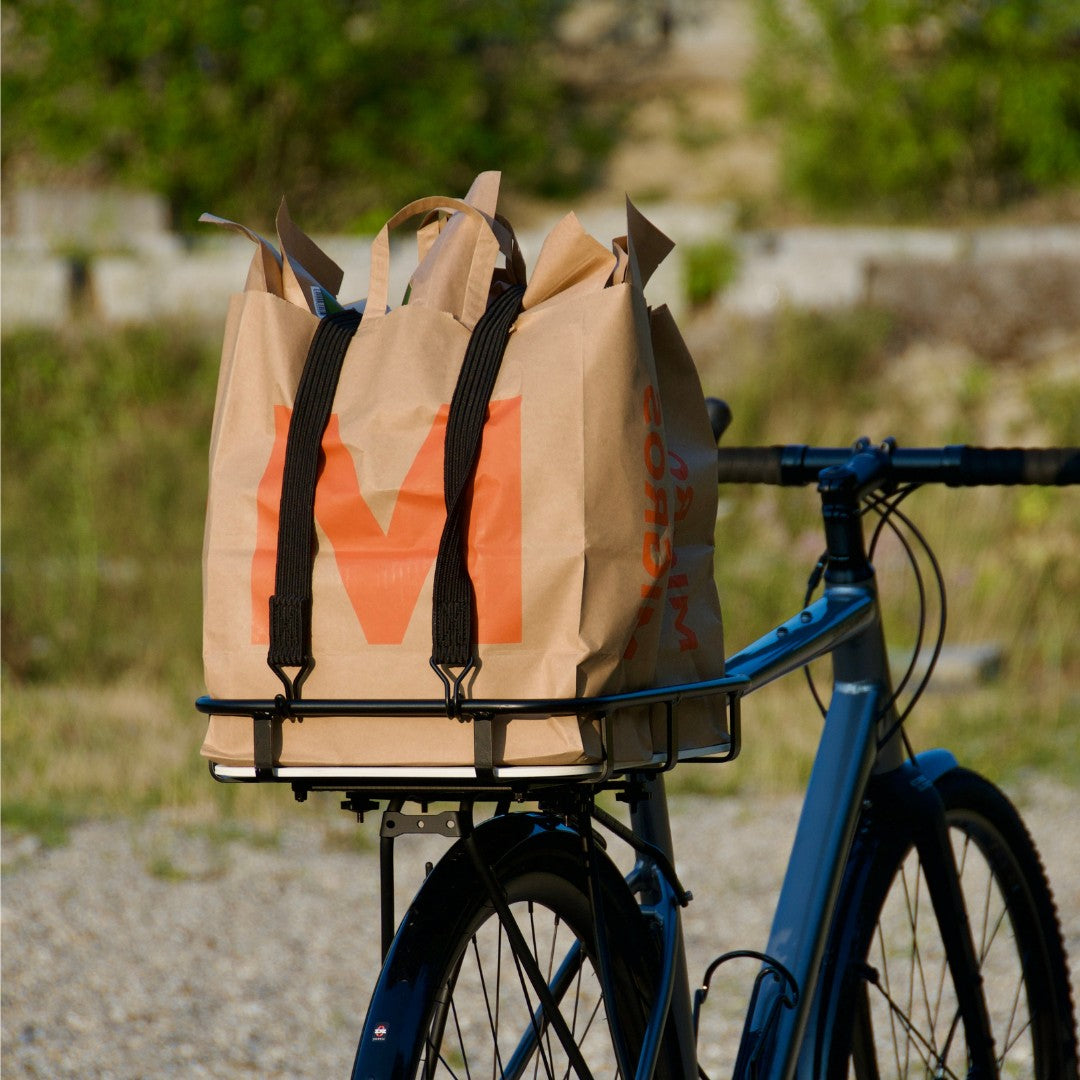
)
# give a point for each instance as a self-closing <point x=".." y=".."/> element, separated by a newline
<point x="480" y="776"/>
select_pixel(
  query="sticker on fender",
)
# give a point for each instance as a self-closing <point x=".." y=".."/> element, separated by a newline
<point x="380" y="1033"/>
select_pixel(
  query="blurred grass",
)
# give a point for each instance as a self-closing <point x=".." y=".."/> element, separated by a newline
<point x="104" y="445"/>
<point x="104" y="457"/>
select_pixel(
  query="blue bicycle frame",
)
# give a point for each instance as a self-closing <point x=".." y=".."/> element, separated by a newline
<point x="844" y="622"/>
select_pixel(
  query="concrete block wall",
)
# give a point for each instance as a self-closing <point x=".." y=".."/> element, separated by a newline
<point x="62" y="259"/>
<point x="824" y="268"/>
<point x="108" y="256"/>
<point x="35" y="289"/>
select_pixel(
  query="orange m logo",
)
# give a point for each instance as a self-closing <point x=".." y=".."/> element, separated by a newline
<point x="384" y="572"/>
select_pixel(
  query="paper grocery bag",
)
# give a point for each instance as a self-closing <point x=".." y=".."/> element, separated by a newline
<point x="569" y="531"/>
<point x="686" y="602"/>
<point x="691" y="647"/>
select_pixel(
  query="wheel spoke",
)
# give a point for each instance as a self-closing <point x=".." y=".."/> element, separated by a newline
<point x="933" y="1010"/>
<point x="461" y="1042"/>
<point x="449" y="1068"/>
<point x="546" y="1036"/>
<point x="916" y="1041"/>
<point x="540" y="1029"/>
<point x="491" y="1013"/>
<point x="887" y="991"/>
<point x="992" y="922"/>
<point x="498" y="1002"/>
<point x="889" y="917"/>
<point x="1008" y="1041"/>
<point x="1009" y="1044"/>
<point x="954" y="1027"/>
<point x="913" y="897"/>
<point x="999" y="922"/>
<point x="548" y="976"/>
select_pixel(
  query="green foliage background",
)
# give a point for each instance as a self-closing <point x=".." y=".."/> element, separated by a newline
<point x="901" y="107"/>
<point x="349" y="106"/>
<point x="913" y="107"/>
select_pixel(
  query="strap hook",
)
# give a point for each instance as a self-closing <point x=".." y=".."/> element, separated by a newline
<point x="452" y="684"/>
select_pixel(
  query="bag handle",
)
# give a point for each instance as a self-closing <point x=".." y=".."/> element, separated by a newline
<point x="478" y="277"/>
<point x="504" y="232"/>
<point x="483" y="193"/>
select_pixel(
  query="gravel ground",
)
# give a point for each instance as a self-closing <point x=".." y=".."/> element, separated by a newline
<point x="149" y="949"/>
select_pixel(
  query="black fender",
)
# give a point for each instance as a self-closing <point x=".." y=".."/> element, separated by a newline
<point x="390" y="1042"/>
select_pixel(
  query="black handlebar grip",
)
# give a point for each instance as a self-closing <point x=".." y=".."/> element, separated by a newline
<point x="978" y="466"/>
<point x="750" y="465"/>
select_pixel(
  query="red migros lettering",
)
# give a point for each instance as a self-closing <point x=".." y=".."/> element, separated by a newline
<point x="679" y="599"/>
<point x="658" y="559"/>
<point x="684" y="499"/>
<point x="679" y="584"/>
<point x="656" y="512"/>
<point x="654" y="455"/>
<point x="384" y="571"/>
<point x="684" y="491"/>
<point x="656" y="553"/>
<point x="652" y="407"/>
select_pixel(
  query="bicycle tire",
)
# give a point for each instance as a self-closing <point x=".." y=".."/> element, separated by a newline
<point x="892" y="1008"/>
<point x="437" y="1011"/>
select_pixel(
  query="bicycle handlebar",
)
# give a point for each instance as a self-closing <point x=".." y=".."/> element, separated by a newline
<point x="956" y="466"/>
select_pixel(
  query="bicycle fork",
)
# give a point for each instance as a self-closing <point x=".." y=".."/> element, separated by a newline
<point x="910" y="796"/>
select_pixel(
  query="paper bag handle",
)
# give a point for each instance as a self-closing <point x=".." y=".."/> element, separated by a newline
<point x="478" y="283"/>
<point x="504" y="232"/>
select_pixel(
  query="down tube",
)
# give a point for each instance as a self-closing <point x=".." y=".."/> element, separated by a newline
<point x="808" y="896"/>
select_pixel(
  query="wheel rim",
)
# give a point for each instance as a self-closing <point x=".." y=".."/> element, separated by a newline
<point x="487" y="1022"/>
<point x="908" y="992"/>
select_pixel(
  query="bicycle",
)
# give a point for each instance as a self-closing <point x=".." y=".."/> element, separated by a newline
<point x="527" y="953"/>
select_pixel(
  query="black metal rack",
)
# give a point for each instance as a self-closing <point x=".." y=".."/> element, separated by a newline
<point x="496" y="782"/>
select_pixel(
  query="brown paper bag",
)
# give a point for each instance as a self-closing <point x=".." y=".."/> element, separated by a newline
<point x="568" y="534"/>
<point x="692" y="638"/>
<point x="691" y="646"/>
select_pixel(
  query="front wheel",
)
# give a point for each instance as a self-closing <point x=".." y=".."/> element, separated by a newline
<point x="893" y="1003"/>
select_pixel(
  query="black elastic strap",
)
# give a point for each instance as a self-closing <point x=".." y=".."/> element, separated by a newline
<point x="290" y="606"/>
<point x="452" y="604"/>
